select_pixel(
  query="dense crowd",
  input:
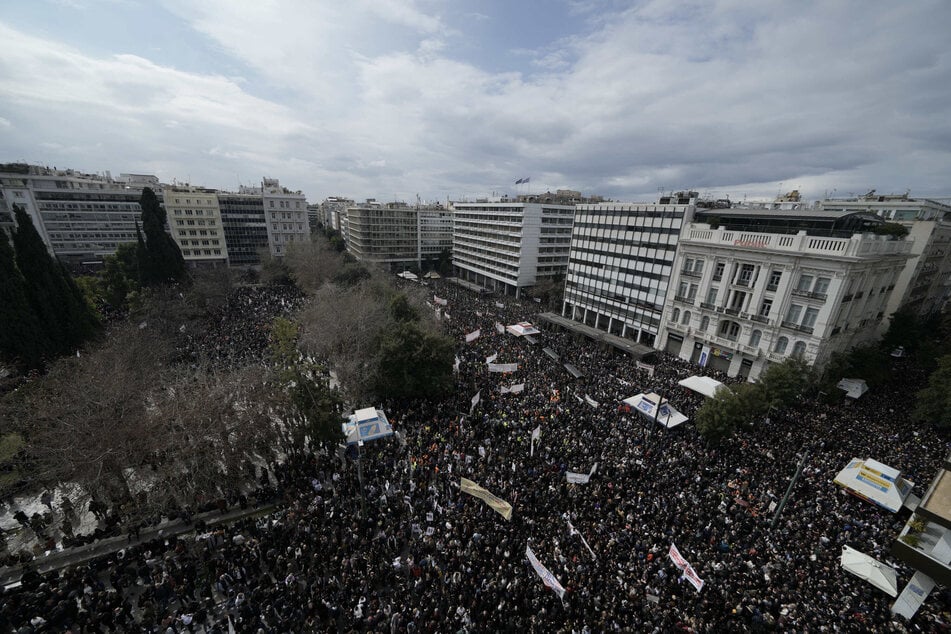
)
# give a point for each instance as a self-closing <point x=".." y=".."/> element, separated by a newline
<point x="407" y="551"/>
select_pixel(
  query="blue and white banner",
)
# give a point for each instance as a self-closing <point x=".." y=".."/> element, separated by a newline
<point x="547" y="578"/>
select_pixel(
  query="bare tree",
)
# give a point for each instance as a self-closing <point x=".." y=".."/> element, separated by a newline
<point x="312" y="264"/>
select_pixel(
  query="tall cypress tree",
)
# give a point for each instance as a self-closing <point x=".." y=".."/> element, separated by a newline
<point x="22" y="340"/>
<point x="163" y="259"/>
<point x="60" y="308"/>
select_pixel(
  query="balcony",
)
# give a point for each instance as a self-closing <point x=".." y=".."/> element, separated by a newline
<point x="772" y="287"/>
<point x="801" y="293"/>
<point x="717" y="277"/>
<point x="688" y="273"/>
<point x="708" y="305"/>
<point x="847" y="298"/>
<point x="732" y="311"/>
<point x="791" y="325"/>
<point x="763" y="319"/>
<point x="742" y="282"/>
<point x="683" y="299"/>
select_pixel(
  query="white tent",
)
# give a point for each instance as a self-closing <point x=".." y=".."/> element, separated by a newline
<point x="854" y="388"/>
<point x="646" y="404"/>
<point x="407" y="275"/>
<point x="875" y="572"/>
<point x="875" y="482"/>
<point x="366" y="424"/>
<point x="522" y="328"/>
<point x="432" y="275"/>
<point x="702" y="385"/>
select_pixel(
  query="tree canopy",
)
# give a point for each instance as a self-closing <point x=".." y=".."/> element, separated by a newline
<point x="160" y="261"/>
<point x="934" y="401"/>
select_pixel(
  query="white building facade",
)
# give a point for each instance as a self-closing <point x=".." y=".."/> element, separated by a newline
<point x="924" y="285"/>
<point x="397" y="236"/>
<point x="194" y="219"/>
<point x="506" y="246"/>
<point x="285" y="213"/>
<point x="620" y="264"/>
<point x="741" y="300"/>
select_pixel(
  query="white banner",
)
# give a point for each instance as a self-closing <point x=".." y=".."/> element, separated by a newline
<point x="573" y="531"/>
<point x="499" y="328"/>
<point x="499" y="305"/>
<point x="536" y="435"/>
<point x="547" y="578"/>
<point x="515" y="389"/>
<point x="440" y="301"/>
<point x="689" y="573"/>
<point x="455" y="365"/>
<point x="580" y="478"/>
<point x="445" y="314"/>
<point x="491" y="359"/>
<point x="503" y="367"/>
<point x="590" y="401"/>
<point x="475" y="401"/>
<point x="472" y="336"/>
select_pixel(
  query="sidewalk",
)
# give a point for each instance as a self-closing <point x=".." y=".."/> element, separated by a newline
<point x="79" y="555"/>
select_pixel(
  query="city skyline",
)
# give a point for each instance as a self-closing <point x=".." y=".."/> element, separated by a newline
<point x="389" y="99"/>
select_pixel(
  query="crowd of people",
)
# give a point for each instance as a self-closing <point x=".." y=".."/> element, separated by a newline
<point x="395" y="546"/>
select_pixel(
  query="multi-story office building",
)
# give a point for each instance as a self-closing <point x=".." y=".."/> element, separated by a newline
<point x="194" y="219"/>
<point x="924" y="285"/>
<point x="397" y="236"/>
<point x="245" y="229"/>
<point x="285" y="212"/>
<point x="332" y="209"/>
<point x="752" y="287"/>
<point x="81" y="217"/>
<point x="507" y="246"/>
<point x="619" y="265"/>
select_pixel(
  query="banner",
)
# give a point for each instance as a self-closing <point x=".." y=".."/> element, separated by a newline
<point x="590" y="401"/>
<point x="475" y="401"/>
<point x="580" y="478"/>
<point x="646" y="367"/>
<point x="499" y="305"/>
<point x="472" y="336"/>
<point x="689" y="573"/>
<point x="455" y="365"/>
<point x="445" y="314"/>
<point x="515" y="389"/>
<point x="491" y="359"/>
<point x="503" y="367"/>
<point x="573" y="531"/>
<point x="499" y="328"/>
<point x="440" y="301"/>
<point x="536" y="435"/>
<point x="547" y="578"/>
<point x="500" y="506"/>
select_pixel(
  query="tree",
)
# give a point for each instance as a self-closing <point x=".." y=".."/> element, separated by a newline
<point x="444" y="265"/>
<point x="312" y="263"/>
<point x="414" y="363"/>
<point x="161" y="262"/>
<point x="934" y="402"/>
<point x="895" y="229"/>
<point x="120" y="275"/>
<point x="60" y="308"/>
<point x="719" y="417"/>
<point x="904" y="329"/>
<point x="22" y="340"/>
<point x="785" y="383"/>
<point x="402" y="311"/>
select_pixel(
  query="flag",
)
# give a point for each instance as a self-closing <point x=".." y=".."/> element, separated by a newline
<point x="574" y="531"/>
<point x="536" y="435"/>
<point x="472" y="336"/>
<point x="492" y="358"/>
<point x="502" y="367"/>
<point x="455" y="365"/>
<point x="520" y="181"/>
<point x="499" y="328"/>
<point x="593" y="403"/>
<point x="440" y="301"/>
<point x="547" y="578"/>
<point x="515" y="389"/>
<point x="526" y="180"/>
<point x="230" y="626"/>
<point x="475" y="401"/>
<point x="500" y="506"/>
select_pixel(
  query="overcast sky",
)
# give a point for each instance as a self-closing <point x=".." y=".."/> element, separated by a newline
<point x="456" y="98"/>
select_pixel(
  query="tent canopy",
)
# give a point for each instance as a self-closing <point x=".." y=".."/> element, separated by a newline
<point x="407" y="275"/>
<point x="875" y="482"/>
<point x="702" y="385"/>
<point x="854" y="388"/>
<point x="522" y="328"/>
<point x="646" y="404"/>
<point x="432" y="275"/>
<point x="875" y="572"/>
<point x="366" y="424"/>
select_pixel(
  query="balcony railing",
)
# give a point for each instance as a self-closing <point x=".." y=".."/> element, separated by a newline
<point x="847" y="298"/>
<point x="742" y="282"/>
<point x="689" y="273"/>
<point x="708" y="305"/>
<point x="763" y="319"/>
<point x="791" y="325"/>
<point x="684" y="299"/>
<point x="772" y="287"/>
<point x="732" y="311"/>
<point x="801" y="293"/>
<point x="717" y="277"/>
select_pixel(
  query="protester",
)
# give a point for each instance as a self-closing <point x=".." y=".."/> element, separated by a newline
<point x="407" y="551"/>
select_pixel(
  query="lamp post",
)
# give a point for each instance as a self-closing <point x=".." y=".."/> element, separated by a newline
<point x="782" y="503"/>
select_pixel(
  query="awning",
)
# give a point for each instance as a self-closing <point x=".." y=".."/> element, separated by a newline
<point x="551" y="353"/>
<point x="646" y="404"/>
<point x="407" y="275"/>
<point x="854" y="388"/>
<point x="432" y="275"/>
<point x="573" y="371"/>
<point x="530" y="339"/>
<point x="875" y="482"/>
<point x="702" y="385"/>
<point x="875" y="572"/>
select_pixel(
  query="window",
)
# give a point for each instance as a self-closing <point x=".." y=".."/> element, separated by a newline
<point x="688" y="265"/>
<point x="765" y="307"/>
<point x="746" y="274"/>
<point x="781" y="344"/>
<point x="692" y="292"/>
<point x="809" y="319"/>
<point x="792" y="315"/>
<point x="675" y="316"/>
<point x="698" y="266"/>
<point x="712" y="295"/>
<point x="805" y="283"/>
<point x="774" y="277"/>
<point x="822" y="286"/>
<point x="682" y="289"/>
<point x="686" y="317"/>
<point x="755" y="338"/>
<point x="799" y="349"/>
<point x="729" y="329"/>
<point x="718" y="271"/>
<point x="704" y="323"/>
